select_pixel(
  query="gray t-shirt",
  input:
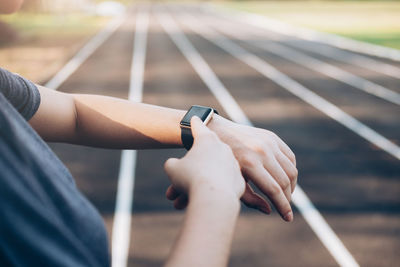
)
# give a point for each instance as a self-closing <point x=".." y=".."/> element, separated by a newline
<point x="44" y="219"/>
<point x="21" y="93"/>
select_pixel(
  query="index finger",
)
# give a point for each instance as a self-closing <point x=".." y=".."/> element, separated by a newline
<point x="197" y="126"/>
<point x="264" y="181"/>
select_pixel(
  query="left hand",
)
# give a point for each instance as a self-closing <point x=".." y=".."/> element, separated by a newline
<point x="264" y="159"/>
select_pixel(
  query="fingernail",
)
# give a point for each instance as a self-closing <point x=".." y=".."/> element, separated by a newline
<point x="263" y="209"/>
<point x="288" y="217"/>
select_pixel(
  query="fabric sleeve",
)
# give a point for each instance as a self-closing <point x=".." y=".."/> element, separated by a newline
<point x="44" y="219"/>
<point x="20" y="92"/>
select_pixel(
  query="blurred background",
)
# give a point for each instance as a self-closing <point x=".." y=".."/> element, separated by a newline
<point x="59" y="27"/>
<point x="353" y="182"/>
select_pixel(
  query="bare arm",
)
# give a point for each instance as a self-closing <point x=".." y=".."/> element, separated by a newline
<point x="103" y="121"/>
<point x="206" y="235"/>
<point x="116" y="123"/>
<point x="210" y="175"/>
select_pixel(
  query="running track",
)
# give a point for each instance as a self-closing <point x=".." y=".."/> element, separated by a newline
<point x="338" y="110"/>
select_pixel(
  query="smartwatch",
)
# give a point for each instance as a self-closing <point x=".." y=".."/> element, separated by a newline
<point x="204" y="113"/>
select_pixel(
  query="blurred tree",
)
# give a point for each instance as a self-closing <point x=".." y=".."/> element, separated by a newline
<point x="32" y="5"/>
<point x="56" y="5"/>
<point x="7" y="33"/>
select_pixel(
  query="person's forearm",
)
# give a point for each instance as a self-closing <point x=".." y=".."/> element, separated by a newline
<point x="109" y="122"/>
<point x="116" y="123"/>
<point x="105" y="121"/>
<point x="206" y="235"/>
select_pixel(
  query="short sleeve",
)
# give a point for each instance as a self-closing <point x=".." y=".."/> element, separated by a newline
<point x="20" y="92"/>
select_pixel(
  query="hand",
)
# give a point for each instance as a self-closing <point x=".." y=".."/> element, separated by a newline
<point x="265" y="160"/>
<point x="210" y="164"/>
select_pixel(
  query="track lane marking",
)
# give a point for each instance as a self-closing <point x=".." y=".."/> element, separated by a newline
<point x="308" y="34"/>
<point x="323" y="49"/>
<point x="295" y="88"/>
<point x="84" y="53"/>
<point x="350" y="58"/>
<point x="316" y="65"/>
<point x="302" y="202"/>
<point x="126" y="178"/>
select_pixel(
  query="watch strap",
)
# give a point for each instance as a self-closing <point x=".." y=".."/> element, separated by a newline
<point x="187" y="137"/>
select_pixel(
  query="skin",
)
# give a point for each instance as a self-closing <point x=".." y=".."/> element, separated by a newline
<point x="109" y="122"/>
<point x="214" y="184"/>
<point x="116" y="123"/>
<point x="209" y="180"/>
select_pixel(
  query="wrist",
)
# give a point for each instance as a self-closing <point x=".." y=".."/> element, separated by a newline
<point x="219" y="124"/>
<point x="213" y="195"/>
<point x="205" y="114"/>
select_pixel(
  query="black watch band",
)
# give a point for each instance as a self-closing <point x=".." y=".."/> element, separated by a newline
<point x="187" y="137"/>
<point x="204" y="113"/>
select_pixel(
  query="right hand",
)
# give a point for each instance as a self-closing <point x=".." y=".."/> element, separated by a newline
<point x="209" y="166"/>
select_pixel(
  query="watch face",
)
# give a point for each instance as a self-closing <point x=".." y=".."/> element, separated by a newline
<point x="202" y="112"/>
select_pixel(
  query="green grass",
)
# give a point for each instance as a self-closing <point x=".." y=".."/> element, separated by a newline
<point x="45" y="41"/>
<point x="42" y="24"/>
<point x="376" y="22"/>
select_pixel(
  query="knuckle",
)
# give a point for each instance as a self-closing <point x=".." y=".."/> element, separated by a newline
<point x="267" y="150"/>
<point x="274" y="190"/>
<point x="294" y="173"/>
<point x="285" y="183"/>
<point x="292" y="157"/>
<point x="248" y="161"/>
<point x="274" y="137"/>
<point x="275" y="147"/>
<point x="262" y="150"/>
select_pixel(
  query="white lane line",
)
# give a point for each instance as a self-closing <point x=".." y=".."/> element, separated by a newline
<point x="306" y="208"/>
<point x="122" y="217"/>
<point x="322" y="229"/>
<point x="314" y="64"/>
<point x="294" y="87"/>
<point x="309" y="34"/>
<point x="322" y="49"/>
<point x="126" y="179"/>
<point x="349" y="58"/>
<point x="202" y="68"/>
<point x="84" y="53"/>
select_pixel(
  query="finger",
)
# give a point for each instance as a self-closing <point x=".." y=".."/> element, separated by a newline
<point x="289" y="168"/>
<point x="274" y="168"/>
<point x="181" y="202"/>
<point x="264" y="181"/>
<point x="198" y="127"/>
<point x="253" y="200"/>
<point x="286" y="150"/>
<point x="172" y="193"/>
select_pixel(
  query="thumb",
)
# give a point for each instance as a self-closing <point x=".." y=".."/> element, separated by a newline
<point x="198" y="127"/>
<point x="170" y="166"/>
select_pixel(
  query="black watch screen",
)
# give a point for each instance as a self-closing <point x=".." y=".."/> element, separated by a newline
<point x="199" y="111"/>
